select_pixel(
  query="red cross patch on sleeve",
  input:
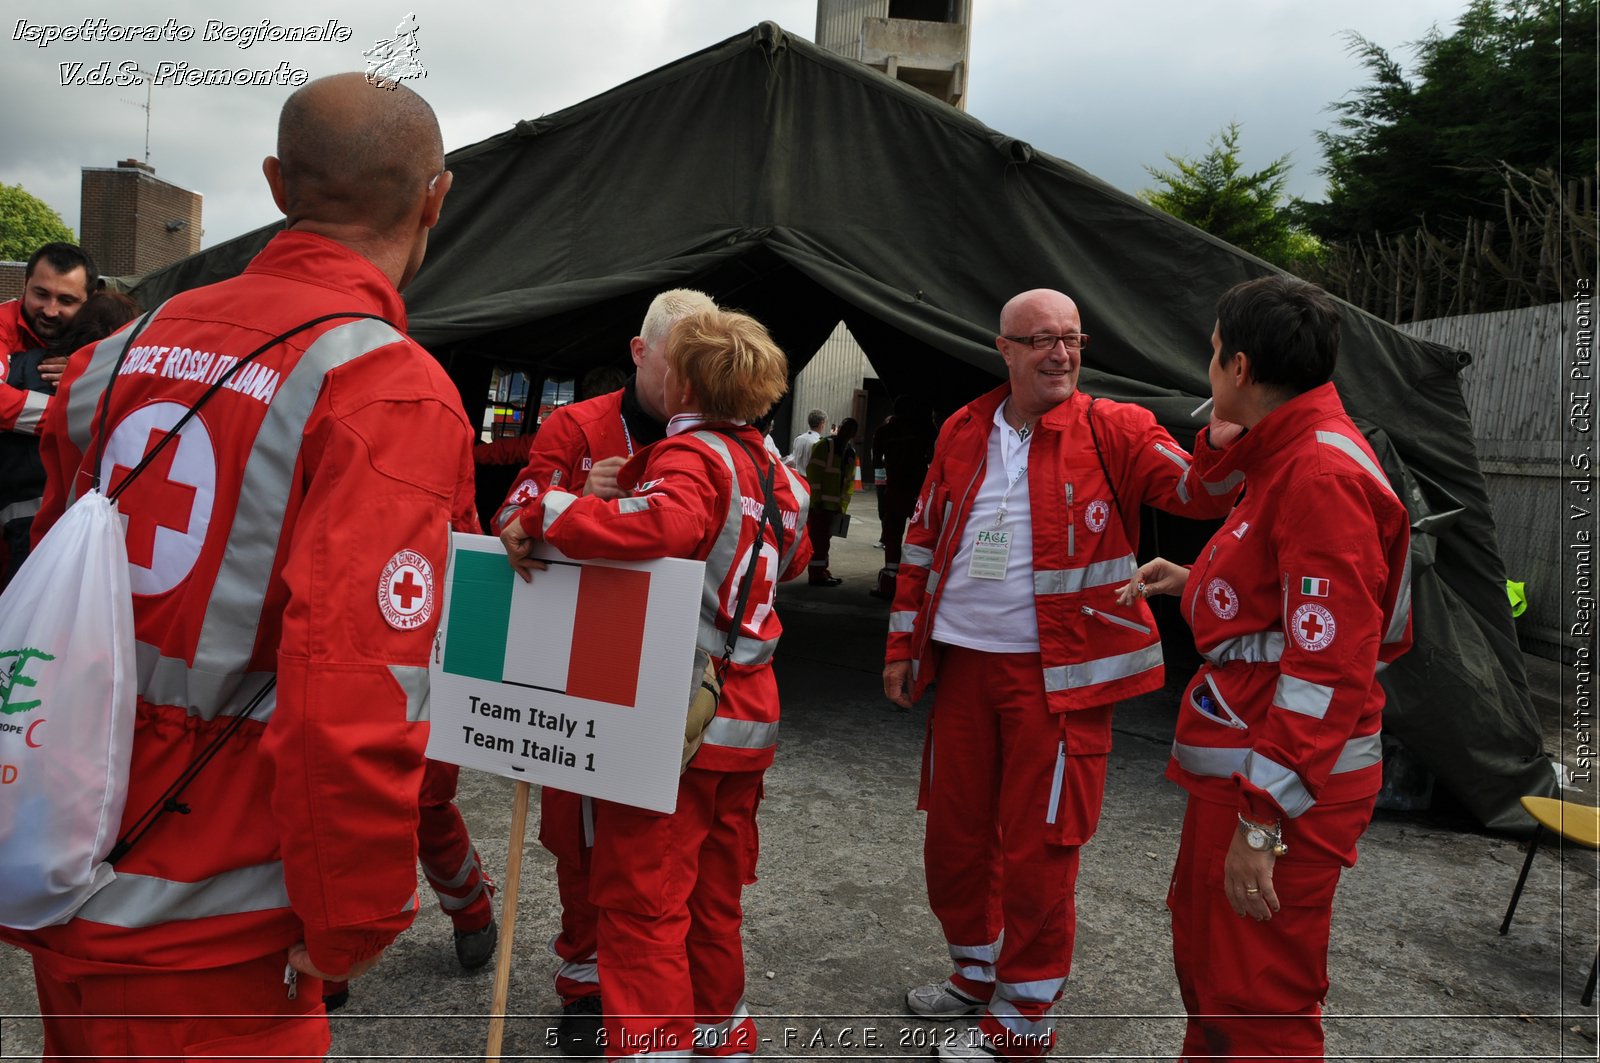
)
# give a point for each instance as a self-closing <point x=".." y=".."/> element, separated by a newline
<point x="1312" y="627"/>
<point x="405" y="591"/>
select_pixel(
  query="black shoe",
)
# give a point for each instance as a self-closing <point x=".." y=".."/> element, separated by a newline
<point x="580" y="1031"/>
<point x="474" y="947"/>
<point x="338" y="998"/>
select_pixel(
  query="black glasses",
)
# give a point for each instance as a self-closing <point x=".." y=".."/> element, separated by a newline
<point x="1076" y="341"/>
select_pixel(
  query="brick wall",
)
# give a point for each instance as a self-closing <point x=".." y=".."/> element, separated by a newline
<point x="133" y="222"/>
<point x="11" y="279"/>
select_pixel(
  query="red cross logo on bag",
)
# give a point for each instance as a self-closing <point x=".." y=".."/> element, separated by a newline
<point x="167" y="509"/>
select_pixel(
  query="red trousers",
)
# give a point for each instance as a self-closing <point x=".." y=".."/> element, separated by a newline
<point x="449" y="861"/>
<point x="566" y="830"/>
<point x="668" y="893"/>
<point x="1255" y="990"/>
<point x="173" y="1017"/>
<point x="1011" y="791"/>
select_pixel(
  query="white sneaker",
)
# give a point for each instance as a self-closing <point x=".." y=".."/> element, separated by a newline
<point x="941" y="1000"/>
<point x="971" y="1046"/>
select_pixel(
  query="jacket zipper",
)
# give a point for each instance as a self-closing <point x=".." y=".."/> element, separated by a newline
<point x="1109" y="618"/>
<point x="1195" y="601"/>
<point x="1072" y="525"/>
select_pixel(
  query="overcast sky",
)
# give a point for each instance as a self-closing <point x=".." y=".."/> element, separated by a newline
<point x="1110" y="87"/>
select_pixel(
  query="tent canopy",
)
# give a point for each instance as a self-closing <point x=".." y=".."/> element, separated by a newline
<point x="807" y="189"/>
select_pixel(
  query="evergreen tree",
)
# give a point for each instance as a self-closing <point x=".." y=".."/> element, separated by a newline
<point x="1214" y="193"/>
<point x="1514" y="83"/>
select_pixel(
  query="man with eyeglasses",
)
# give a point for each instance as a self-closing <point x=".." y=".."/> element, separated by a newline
<point x="1026" y="528"/>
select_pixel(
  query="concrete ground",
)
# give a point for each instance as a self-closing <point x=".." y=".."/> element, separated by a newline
<point x="838" y="926"/>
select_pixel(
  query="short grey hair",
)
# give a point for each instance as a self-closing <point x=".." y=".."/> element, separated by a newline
<point x="815" y="419"/>
<point x="667" y="309"/>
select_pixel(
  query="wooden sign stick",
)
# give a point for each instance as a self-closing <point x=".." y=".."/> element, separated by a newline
<point x="508" y="922"/>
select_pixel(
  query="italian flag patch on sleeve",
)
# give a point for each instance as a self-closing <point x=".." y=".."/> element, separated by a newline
<point x="1311" y="587"/>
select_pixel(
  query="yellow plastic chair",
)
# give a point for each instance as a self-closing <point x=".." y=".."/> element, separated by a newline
<point x="1579" y="824"/>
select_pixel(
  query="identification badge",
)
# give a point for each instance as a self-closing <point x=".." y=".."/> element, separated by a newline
<point x="990" y="550"/>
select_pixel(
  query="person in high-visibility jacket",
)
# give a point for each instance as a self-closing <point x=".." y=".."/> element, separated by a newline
<point x="832" y="475"/>
<point x="668" y="887"/>
<point x="295" y="533"/>
<point x="1027" y="524"/>
<point x="1297" y="602"/>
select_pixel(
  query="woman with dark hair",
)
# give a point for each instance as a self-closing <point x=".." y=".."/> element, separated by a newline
<point x="1296" y="603"/>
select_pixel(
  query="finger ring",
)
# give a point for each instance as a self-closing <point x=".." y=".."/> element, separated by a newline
<point x="1141" y="588"/>
<point x="1252" y="889"/>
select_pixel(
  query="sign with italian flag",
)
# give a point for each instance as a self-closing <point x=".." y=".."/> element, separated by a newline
<point x="579" y="679"/>
<point x="1312" y="587"/>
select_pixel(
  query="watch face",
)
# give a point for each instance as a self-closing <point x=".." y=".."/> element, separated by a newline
<point x="1256" y="838"/>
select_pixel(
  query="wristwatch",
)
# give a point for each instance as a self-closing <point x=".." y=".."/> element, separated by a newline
<point x="1263" y="837"/>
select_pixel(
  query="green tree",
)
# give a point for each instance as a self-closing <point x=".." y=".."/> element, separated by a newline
<point x="26" y="221"/>
<point x="1214" y="193"/>
<point x="1513" y="83"/>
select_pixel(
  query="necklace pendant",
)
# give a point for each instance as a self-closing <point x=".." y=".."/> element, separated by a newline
<point x="1024" y="432"/>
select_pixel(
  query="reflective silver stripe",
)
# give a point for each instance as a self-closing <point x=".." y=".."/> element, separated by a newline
<point x="134" y="901"/>
<point x="916" y="666"/>
<point x="715" y="1034"/>
<point x="555" y="504"/>
<point x="1103" y="670"/>
<point x="1224" y="486"/>
<point x="933" y="583"/>
<point x="1006" y="1014"/>
<point x="32" y="414"/>
<point x="632" y="505"/>
<point x="587" y="973"/>
<point x="85" y="398"/>
<point x="1072" y="580"/>
<point x="903" y="622"/>
<point x="1043" y="989"/>
<point x="503" y="517"/>
<point x="1282" y="784"/>
<point x="977" y="961"/>
<point x="802" y="495"/>
<point x="920" y="556"/>
<point x="170" y="681"/>
<point x="413" y="679"/>
<point x="1348" y="447"/>
<point x="455" y="904"/>
<point x="722" y="558"/>
<point x="1302" y="696"/>
<point x="1221" y="762"/>
<point x="1055" y="781"/>
<point x="1360" y="752"/>
<point x="255" y="531"/>
<point x="741" y="734"/>
<point x="17" y="510"/>
<point x="437" y="880"/>
<point x="1402" y="606"/>
<point x="1183" y="470"/>
<point x="1262" y="647"/>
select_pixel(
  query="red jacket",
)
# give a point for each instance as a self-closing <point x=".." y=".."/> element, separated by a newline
<point x="683" y="506"/>
<point x="21" y="410"/>
<point x="568" y="444"/>
<point x="298" y="528"/>
<point x="1085" y="533"/>
<point x="1296" y="602"/>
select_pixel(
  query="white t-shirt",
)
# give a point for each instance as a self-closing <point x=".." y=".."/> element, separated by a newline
<point x="994" y="615"/>
<point x="800" y="453"/>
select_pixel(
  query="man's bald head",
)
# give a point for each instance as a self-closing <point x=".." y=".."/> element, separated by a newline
<point x="351" y="152"/>
<point x="1025" y="304"/>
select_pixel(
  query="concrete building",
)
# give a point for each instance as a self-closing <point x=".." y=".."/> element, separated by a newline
<point x="923" y="43"/>
<point x="134" y="222"/>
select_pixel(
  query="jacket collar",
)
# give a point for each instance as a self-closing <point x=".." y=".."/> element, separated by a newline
<point x="312" y="259"/>
<point x="1272" y="440"/>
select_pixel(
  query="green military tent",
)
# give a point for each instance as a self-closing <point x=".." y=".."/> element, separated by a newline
<point x="809" y="189"/>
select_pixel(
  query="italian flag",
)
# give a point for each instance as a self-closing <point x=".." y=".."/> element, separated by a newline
<point x="581" y="635"/>
<point x="1311" y="587"/>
